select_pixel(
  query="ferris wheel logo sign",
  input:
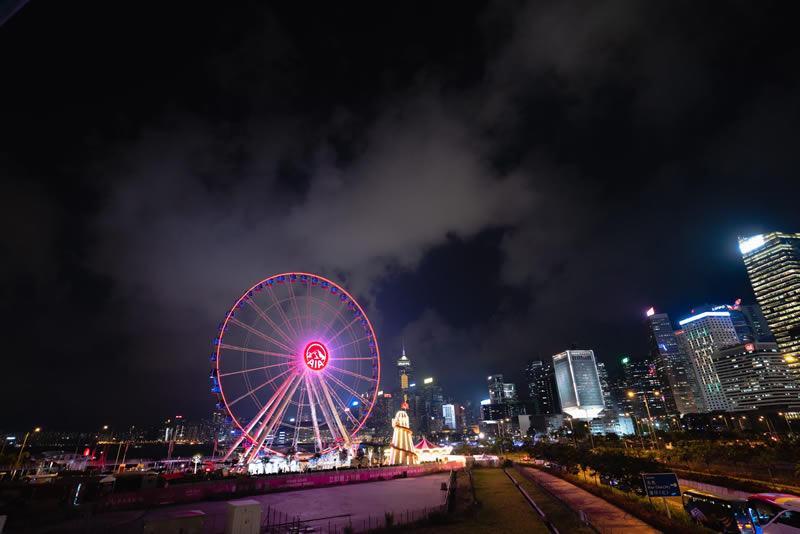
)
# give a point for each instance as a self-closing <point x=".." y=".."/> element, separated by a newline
<point x="315" y="356"/>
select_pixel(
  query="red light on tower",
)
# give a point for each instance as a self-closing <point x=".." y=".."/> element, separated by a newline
<point x="315" y="356"/>
<point x="750" y="347"/>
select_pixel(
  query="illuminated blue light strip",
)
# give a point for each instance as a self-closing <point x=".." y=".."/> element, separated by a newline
<point x="699" y="316"/>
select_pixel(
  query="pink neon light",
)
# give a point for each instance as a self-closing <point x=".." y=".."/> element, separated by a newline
<point x="315" y="355"/>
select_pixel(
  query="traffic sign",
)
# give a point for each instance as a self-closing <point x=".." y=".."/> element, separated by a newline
<point x="661" y="484"/>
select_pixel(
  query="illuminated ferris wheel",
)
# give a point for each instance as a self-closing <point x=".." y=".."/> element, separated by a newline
<point x="296" y="366"/>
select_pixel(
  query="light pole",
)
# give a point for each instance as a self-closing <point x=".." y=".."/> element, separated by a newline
<point x="631" y="394"/>
<point x="788" y="424"/>
<point x="770" y="427"/>
<point x="19" y="457"/>
<point x="636" y="430"/>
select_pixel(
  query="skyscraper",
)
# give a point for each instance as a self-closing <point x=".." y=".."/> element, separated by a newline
<point x="449" y="412"/>
<point x="706" y="333"/>
<point x="542" y="387"/>
<point x="773" y="265"/>
<point x="759" y="323"/>
<point x="755" y="375"/>
<point x="404" y="371"/>
<point x="641" y="379"/>
<point x="578" y="384"/>
<point x="605" y="385"/>
<point x="670" y="364"/>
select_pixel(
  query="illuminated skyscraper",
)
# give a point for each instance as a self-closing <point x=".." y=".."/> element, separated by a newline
<point x="755" y="375"/>
<point x="670" y="364"/>
<point x="773" y="265"/>
<point x="578" y="383"/>
<point x="404" y="371"/>
<point x="706" y="333"/>
<point x="542" y="387"/>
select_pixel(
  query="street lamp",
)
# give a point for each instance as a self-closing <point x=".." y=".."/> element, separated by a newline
<point x="788" y="424"/>
<point x="631" y="394"/>
<point x="19" y="457"/>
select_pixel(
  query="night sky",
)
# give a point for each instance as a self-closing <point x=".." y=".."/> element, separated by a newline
<point x="493" y="181"/>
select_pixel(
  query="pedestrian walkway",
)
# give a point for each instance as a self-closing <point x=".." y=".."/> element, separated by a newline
<point x="603" y="515"/>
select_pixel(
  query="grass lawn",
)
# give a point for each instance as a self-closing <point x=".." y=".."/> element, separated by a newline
<point x="556" y="511"/>
<point x="502" y="509"/>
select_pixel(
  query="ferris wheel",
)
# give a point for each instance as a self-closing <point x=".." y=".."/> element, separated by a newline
<point x="296" y="366"/>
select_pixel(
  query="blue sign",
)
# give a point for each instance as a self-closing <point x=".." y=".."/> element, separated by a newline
<point x="661" y="484"/>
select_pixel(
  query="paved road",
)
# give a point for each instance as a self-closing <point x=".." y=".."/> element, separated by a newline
<point x="331" y="508"/>
<point x="604" y="515"/>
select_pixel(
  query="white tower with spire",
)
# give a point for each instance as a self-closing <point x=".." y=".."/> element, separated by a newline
<point x="404" y="369"/>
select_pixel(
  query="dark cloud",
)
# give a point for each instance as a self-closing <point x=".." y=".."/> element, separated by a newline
<point x="496" y="182"/>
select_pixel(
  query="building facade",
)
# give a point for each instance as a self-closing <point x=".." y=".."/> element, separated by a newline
<point x="755" y="375"/>
<point x="773" y="266"/>
<point x="706" y="333"/>
<point x="578" y="383"/>
<point x="671" y="367"/>
<point x="542" y="388"/>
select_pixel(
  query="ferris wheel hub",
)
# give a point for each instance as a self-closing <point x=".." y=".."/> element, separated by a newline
<point x="315" y="356"/>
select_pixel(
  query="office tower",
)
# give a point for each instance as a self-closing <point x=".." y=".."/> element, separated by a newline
<point x="578" y="384"/>
<point x="641" y="379"/>
<point x="773" y="266"/>
<point x="605" y="385"/>
<point x="542" y="387"/>
<point x="755" y="375"/>
<point x="670" y="364"/>
<point x="706" y="333"/>
<point x="449" y="414"/>
<point x="759" y="323"/>
<point x="691" y="373"/>
<point x="404" y="371"/>
<point x="429" y="400"/>
<point x="496" y="389"/>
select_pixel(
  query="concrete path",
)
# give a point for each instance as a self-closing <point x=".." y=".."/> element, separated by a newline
<point x="603" y="515"/>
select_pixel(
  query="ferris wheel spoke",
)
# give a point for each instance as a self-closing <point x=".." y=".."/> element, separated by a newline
<point x="339" y="425"/>
<point x="348" y="325"/>
<point x="269" y="321"/>
<point x="345" y="409"/>
<point x="346" y="387"/>
<point x="285" y="317"/>
<point x="362" y="358"/>
<point x="293" y="300"/>
<point x="258" y="351"/>
<point x="351" y="373"/>
<point x="260" y="334"/>
<point x="266" y="407"/>
<point x="353" y="342"/>
<point x="337" y="313"/>
<point x="259" y="387"/>
<point x="255" y="369"/>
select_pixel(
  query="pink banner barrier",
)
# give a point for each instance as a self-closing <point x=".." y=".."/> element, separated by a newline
<point x="182" y="493"/>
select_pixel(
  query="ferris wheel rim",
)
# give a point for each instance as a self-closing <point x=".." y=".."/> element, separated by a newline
<point x="287" y="278"/>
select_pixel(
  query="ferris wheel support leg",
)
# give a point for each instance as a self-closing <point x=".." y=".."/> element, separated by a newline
<point x="325" y="414"/>
<point x="273" y="406"/>
<point x="274" y="420"/>
<point x="314" y="416"/>
<point x="232" y="448"/>
<point x="255" y="420"/>
<point x="345" y="434"/>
